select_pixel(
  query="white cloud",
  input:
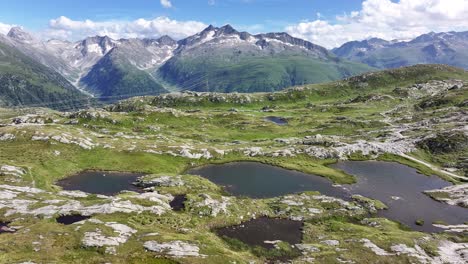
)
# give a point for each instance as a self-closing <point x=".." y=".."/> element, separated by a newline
<point x="386" y="19"/>
<point x="68" y="29"/>
<point x="166" y="3"/>
<point x="4" y="28"/>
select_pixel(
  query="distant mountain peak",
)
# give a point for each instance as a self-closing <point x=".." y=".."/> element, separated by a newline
<point x="17" y="33"/>
<point x="227" y="29"/>
<point x="166" y="40"/>
<point x="98" y="44"/>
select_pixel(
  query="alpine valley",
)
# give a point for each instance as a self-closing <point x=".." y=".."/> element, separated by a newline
<point x="212" y="60"/>
<point x="218" y="59"/>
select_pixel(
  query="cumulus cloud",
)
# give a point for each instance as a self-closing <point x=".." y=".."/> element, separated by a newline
<point x="68" y="29"/>
<point x="166" y="3"/>
<point x="4" y="28"/>
<point x="386" y="19"/>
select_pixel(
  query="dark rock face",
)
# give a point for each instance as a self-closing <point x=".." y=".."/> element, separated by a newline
<point x="445" y="143"/>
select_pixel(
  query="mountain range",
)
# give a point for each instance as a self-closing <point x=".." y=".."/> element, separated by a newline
<point x="219" y="59"/>
<point x="449" y="48"/>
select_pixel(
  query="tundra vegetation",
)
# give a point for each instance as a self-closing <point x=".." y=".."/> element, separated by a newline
<point x="416" y="116"/>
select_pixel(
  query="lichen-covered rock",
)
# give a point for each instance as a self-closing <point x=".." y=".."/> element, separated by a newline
<point x="360" y="146"/>
<point x="332" y="243"/>
<point x="445" y="142"/>
<point x="85" y="143"/>
<point x="187" y="153"/>
<point x="160" y="181"/>
<point x="116" y="205"/>
<point x="453" y="195"/>
<point x="7" y="136"/>
<point x="177" y="249"/>
<point x="306" y="248"/>
<point x="8" y="170"/>
<point x="212" y="206"/>
<point x="98" y="239"/>
<point x="376" y="249"/>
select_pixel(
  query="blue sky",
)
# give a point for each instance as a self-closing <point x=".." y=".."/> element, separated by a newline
<point x="329" y="23"/>
<point x="274" y="15"/>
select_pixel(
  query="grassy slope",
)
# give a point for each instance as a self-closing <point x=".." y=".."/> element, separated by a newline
<point x="254" y="74"/>
<point x="114" y="78"/>
<point x="26" y="82"/>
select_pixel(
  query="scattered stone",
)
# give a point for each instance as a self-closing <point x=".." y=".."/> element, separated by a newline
<point x="160" y="181"/>
<point x="6" y="136"/>
<point x="215" y="207"/>
<point x="8" y="170"/>
<point x="253" y="151"/>
<point x="186" y="153"/>
<point x="333" y="243"/>
<point x="177" y="249"/>
<point x="453" y="228"/>
<point x="376" y="249"/>
<point x="73" y="194"/>
<point x="306" y="248"/>
<point x="453" y="195"/>
<point x="97" y="239"/>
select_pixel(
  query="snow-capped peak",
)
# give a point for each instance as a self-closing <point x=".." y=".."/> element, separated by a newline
<point x="19" y="34"/>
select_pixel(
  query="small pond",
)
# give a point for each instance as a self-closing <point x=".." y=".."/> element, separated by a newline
<point x="257" y="180"/>
<point x="177" y="204"/>
<point x="277" y="120"/>
<point x="398" y="186"/>
<point x="401" y="188"/>
<point x="256" y="231"/>
<point x="71" y="219"/>
<point x="101" y="182"/>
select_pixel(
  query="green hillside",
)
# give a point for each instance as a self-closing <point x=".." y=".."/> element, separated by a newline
<point x="114" y="78"/>
<point x="25" y="82"/>
<point x="253" y="74"/>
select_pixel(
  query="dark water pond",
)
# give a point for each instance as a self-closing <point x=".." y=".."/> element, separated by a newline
<point x="177" y="204"/>
<point x="277" y="120"/>
<point x="385" y="181"/>
<point x="259" y="180"/>
<point x="401" y="188"/>
<point x="255" y="232"/>
<point x="4" y="228"/>
<point x="101" y="182"/>
<point x="71" y="219"/>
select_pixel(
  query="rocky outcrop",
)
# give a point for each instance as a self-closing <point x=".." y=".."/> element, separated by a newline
<point x="177" y="249"/>
<point x="360" y="146"/>
<point x="98" y="239"/>
<point x="376" y="249"/>
<point x="453" y="195"/>
<point x="213" y="207"/>
<point x="159" y="181"/>
<point x="31" y="119"/>
<point x="445" y="142"/>
<point x="63" y="207"/>
<point x="8" y="170"/>
<point x="6" y="137"/>
<point x="448" y="252"/>
<point x="65" y="138"/>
